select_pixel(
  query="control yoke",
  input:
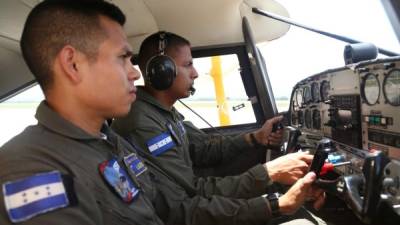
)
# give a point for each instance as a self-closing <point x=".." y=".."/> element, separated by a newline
<point x="361" y="191"/>
<point x="292" y="140"/>
<point x="324" y="148"/>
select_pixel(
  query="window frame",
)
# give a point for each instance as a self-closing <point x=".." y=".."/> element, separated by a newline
<point x="239" y="49"/>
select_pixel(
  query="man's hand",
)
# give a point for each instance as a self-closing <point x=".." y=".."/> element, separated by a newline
<point x="317" y="195"/>
<point x="275" y="138"/>
<point x="300" y="192"/>
<point x="289" y="168"/>
<point x="262" y="135"/>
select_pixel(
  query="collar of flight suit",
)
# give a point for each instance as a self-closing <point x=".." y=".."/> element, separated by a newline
<point x="146" y="97"/>
<point x="54" y="122"/>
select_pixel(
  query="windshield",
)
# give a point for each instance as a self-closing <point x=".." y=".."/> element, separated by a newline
<point x="301" y="53"/>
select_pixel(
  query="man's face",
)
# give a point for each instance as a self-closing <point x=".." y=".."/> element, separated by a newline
<point x="108" y="83"/>
<point x="186" y="72"/>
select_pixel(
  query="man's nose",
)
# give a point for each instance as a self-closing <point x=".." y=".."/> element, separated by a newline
<point x="195" y="75"/>
<point x="133" y="73"/>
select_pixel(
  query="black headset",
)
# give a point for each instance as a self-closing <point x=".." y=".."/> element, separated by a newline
<point x="161" y="69"/>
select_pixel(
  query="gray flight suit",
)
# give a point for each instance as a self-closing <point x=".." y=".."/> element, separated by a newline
<point x="175" y="204"/>
<point x="217" y="201"/>
<point x="148" y="119"/>
<point x="55" y="144"/>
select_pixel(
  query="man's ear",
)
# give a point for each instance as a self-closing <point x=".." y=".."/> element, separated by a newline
<point x="69" y="59"/>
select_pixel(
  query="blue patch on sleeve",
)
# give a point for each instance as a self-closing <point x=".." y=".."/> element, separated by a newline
<point x="117" y="178"/>
<point x="135" y="164"/>
<point x="34" y="195"/>
<point x="160" y="143"/>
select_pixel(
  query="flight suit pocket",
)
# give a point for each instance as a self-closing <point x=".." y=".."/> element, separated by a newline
<point x="115" y="211"/>
<point x="169" y="198"/>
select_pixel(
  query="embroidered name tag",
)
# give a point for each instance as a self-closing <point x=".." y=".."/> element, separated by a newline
<point x="119" y="180"/>
<point x="135" y="164"/>
<point x="34" y="195"/>
<point x="160" y="143"/>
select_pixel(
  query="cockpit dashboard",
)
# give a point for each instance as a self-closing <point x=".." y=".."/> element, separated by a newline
<point x="357" y="107"/>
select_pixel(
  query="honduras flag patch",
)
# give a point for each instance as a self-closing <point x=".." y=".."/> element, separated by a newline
<point x="160" y="143"/>
<point x="34" y="195"/>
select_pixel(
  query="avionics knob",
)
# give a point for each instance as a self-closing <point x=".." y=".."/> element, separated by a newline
<point x="326" y="144"/>
<point x="348" y="126"/>
<point x="391" y="185"/>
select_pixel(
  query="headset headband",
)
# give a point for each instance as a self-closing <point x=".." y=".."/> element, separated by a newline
<point x="162" y="43"/>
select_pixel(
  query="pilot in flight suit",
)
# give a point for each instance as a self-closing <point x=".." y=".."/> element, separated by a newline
<point x="70" y="168"/>
<point x="55" y="145"/>
<point x="160" y="132"/>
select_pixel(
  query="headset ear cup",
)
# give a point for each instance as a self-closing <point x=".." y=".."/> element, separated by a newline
<point x="161" y="72"/>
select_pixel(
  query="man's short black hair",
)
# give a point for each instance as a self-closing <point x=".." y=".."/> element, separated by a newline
<point x="150" y="47"/>
<point x="52" y="24"/>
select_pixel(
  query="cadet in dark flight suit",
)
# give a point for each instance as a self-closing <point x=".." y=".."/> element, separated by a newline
<point x="70" y="168"/>
<point x="161" y="132"/>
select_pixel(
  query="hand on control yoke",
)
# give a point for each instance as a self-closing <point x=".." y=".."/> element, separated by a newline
<point x="303" y="190"/>
<point x="267" y="135"/>
<point x="289" y="168"/>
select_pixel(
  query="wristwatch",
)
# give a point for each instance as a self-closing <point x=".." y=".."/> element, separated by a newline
<point x="273" y="199"/>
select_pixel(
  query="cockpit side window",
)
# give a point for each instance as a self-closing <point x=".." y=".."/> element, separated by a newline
<point x="18" y="112"/>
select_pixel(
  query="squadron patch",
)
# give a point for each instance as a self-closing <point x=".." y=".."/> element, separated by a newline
<point x="34" y="195"/>
<point x="135" y="164"/>
<point x="160" y="144"/>
<point x="118" y="179"/>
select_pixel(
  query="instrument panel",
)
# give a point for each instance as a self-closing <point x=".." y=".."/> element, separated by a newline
<point x="380" y="106"/>
<point x="370" y="88"/>
<point x="358" y="108"/>
<point x="357" y="105"/>
<point x="391" y="87"/>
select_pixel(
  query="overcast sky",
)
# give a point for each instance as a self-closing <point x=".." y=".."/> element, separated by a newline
<point x="301" y="53"/>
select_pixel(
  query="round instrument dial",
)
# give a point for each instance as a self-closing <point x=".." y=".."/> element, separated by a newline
<point x="300" y="118"/>
<point x="307" y="118"/>
<point x="315" y="92"/>
<point x="324" y="89"/>
<point x="307" y="94"/>
<point x="391" y="87"/>
<point x="370" y="89"/>
<point x="316" y="118"/>
<point x="299" y="97"/>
